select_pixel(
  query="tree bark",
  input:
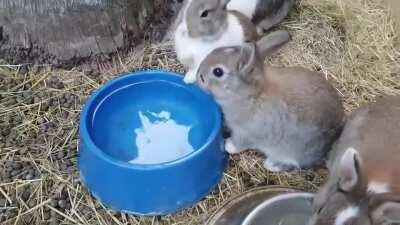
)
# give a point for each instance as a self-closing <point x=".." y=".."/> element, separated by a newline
<point x="66" y="31"/>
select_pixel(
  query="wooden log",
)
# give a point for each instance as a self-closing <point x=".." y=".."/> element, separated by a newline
<point x="66" y="31"/>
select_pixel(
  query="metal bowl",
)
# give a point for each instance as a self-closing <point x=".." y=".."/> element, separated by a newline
<point x="285" y="209"/>
<point x="235" y="210"/>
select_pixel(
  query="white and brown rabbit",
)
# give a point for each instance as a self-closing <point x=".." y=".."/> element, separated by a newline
<point x="364" y="181"/>
<point x="204" y="25"/>
<point x="264" y="13"/>
<point x="292" y="115"/>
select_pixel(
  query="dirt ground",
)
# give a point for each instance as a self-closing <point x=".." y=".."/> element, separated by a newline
<point x="353" y="43"/>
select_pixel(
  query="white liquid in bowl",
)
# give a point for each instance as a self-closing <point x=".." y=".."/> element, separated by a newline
<point x="161" y="140"/>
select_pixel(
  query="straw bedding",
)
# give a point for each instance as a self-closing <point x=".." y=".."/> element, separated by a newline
<point x="353" y="43"/>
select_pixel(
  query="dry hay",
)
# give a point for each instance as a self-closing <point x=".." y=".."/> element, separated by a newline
<point x="352" y="42"/>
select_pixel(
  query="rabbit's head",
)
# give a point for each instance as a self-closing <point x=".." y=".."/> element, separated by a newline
<point x="238" y="70"/>
<point x="206" y="18"/>
<point x="231" y="70"/>
<point x="345" y="199"/>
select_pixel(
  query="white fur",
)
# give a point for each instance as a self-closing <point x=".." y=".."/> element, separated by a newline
<point x="247" y="7"/>
<point x="230" y="147"/>
<point x="378" y="187"/>
<point x="273" y="165"/>
<point x="350" y="152"/>
<point x="192" y="51"/>
<point x="181" y="36"/>
<point x="346" y="214"/>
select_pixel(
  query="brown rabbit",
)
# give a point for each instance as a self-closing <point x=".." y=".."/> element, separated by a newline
<point x="292" y="115"/>
<point x="364" y="182"/>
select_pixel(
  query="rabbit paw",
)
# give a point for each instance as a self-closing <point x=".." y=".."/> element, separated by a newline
<point x="276" y="166"/>
<point x="190" y="77"/>
<point x="230" y="147"/>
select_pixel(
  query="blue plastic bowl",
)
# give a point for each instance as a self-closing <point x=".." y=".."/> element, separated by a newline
<point x="149" y="144"/>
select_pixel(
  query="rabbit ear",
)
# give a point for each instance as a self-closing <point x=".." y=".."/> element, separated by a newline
<point x="385" y="208"/>
<point x="247" y="58"/>
<point x="389" y="211"/>
<point x="224" y="3"/>
<point x="349" y="168"/>
<point x="272" y="42"/>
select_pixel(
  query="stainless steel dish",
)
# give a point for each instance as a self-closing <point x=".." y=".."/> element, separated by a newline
<point x="235" y="210"/>
<point x="285" y="209"/>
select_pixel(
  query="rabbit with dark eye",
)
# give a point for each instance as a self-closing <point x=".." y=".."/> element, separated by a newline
<point x="204" y="25"/>
<point x="364" y="184"/>
<point x="264" y="13"/>
<point x="292" y="115"/>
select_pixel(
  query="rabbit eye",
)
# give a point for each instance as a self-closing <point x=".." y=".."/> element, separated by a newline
<point x="218" y="72"/>
<point x="204" y="14"/>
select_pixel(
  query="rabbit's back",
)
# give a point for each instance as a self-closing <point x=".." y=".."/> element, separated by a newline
<point x="308" y="95"/>
<point x="247" y="7"/>
<point x="270" y="8"/>
<point x="312" y="114"/>
<point x="257" y="10"/>
<point x="264" y="13"/>
<point x="373" y="130"/>
<point x="279" y="132"/>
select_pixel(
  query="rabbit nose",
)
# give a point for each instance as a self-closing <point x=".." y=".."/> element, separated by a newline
<point x="202" y="78"/>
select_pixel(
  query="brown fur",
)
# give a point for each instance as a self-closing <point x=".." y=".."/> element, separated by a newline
<point x="298" y="85"/>
<point x="376" y="136"/>
<point x="367" y="151"/>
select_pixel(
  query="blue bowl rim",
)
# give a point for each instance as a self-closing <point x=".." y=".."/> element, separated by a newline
<point x="84" y="133"/>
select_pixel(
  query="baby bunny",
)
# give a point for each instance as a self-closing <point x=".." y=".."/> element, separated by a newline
<point x="204" y="25"/>
<point x="364" y="184"/>
<point x="292" y="115"/>
<point x="264" y="13"/>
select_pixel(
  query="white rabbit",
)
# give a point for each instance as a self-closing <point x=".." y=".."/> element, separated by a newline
<point x="364" y="184"/>
<point x="204" y="25"/>
<point x="292" y="115"/>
